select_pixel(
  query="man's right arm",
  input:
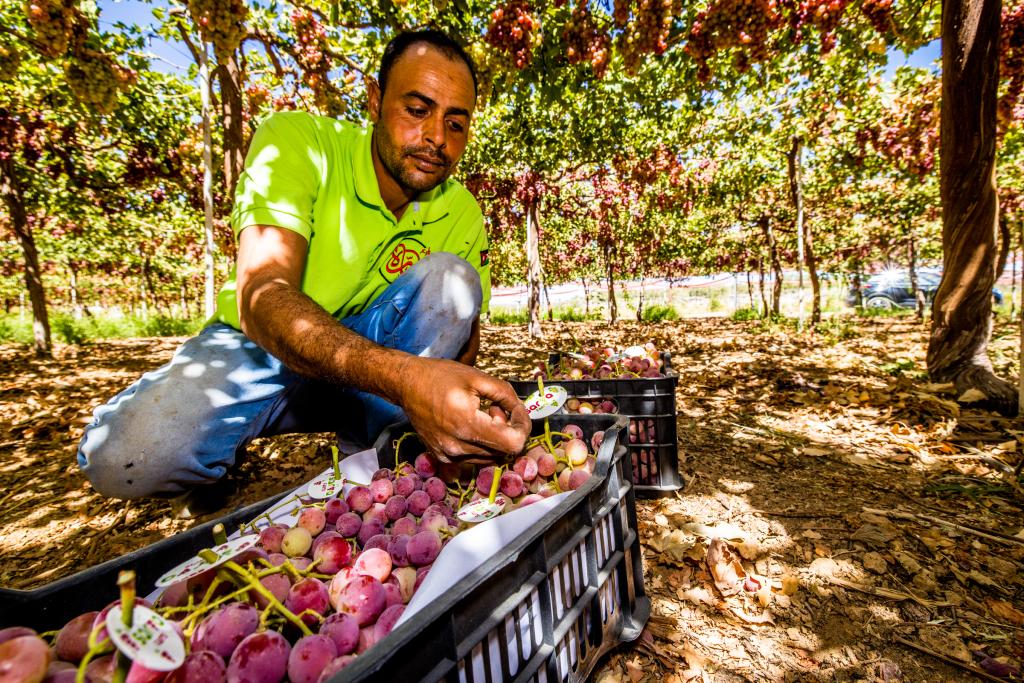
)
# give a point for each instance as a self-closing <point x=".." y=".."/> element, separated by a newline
<point x="441" y="398"/>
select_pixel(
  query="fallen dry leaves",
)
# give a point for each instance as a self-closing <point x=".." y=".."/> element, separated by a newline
<point x="852" y="506"/>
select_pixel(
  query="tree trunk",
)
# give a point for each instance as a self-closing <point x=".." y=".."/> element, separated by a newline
<point x="760" y="286"/>
<point x="613" y="308"/>
<point x="1004" y="245"/>
<point x="858" y="293"/>
<point x="750" y="289"/>
<point x="962" y="311"/>
<point x="533" y="274"/>
<point x="586" y="297"/>
<point x="229" y="80"/>
<point x="547" y="297"/>
<point x="640" y="304"/>
<point x="915" y="288"/>
<point x="796" y="190"/>
<point x="773" y="256"/>
<point x="15" y="203"/>
<point x="73" y="290"/>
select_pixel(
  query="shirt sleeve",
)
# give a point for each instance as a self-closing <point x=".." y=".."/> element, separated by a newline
<point x="282" y="176"/>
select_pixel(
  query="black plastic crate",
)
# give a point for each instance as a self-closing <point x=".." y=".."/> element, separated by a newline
<point x="545" y="609"/>
<point x="53" y="605"/>
<point x="650" y="404"/>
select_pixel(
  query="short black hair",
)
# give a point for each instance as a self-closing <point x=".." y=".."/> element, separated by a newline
<point x="438" y="39"/>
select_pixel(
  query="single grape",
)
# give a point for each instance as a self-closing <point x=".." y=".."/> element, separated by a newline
<point x="511" y="484"/>
<point x="436" y="489"/>
<point x="300" y="563"/>
<point x="368" y="531"/>
<point x="337" y="585"/>
<point x="296" y="541"/>
<point x="224" y="629"/>
<point x="382" y="473"/>
<point x="563" y="479"/>
<point x="590" y="465"/>
<point x="421" y="577"/>
<point x="199" y="667"/>
<point x="424" y="465"/>
<point x="367" y="639"/>
<point x="530" y="499"/>
<point x="484" y="479"/>
<point x="260" y="658"/>
<point x="418" y="501"/>
<point x="101" y="669"/>
<point x="343" y="630"/>
<point x="535" y="453"/>
<point x="526" y="468"/>
<point x="607" y="407"/>
<point x="277" y="584"/>
<point x="424" y="547"/>
<point x="363" y="597"/>
<point x="574" y="431"/>
<point x="392" y="593"/>
<point x="577" y="478"/>
<point x="596" y="440"/>
<point x="334" y="667"/>
<point x="405" y="469"/>
<point x="308" y="594"/>
<point x="24" y="658"/>
<point x="58" y="673"/>
<point x="406" y="526"/>
<point x="396" y="507"/>
<point x="546" y="465"/>
<point x="312" y="520"/>
<point x="320" y="539"/>
<point x="333" y="554"/>
<point x="406" y="579"/>
<point x="349" y="524"/>
<point x="72" y="642"/>
<point x="271" y="537"/>
<point x="576" y="451"/>
<point x="333" y="509"/>
<point x="309" y="657"/>
<point x="381" y="490"/>
<point x="387" y="620"/>
<point x="359" y="499"/>
<point x="376" y="513"/>
<point x="373" y="562"/>
<point x="435" y="520"/>
<point x="406" y="485"/>
<point x="137" y="673"/>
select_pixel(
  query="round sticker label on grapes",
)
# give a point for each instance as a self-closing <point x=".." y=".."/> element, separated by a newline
<point x="577" y="356"/>
<point x="634" y="351"/>
<point x="542" y="404"/>
<point x="197" y="565"/>
<point x="481" y="510"/>
<point x="151" y="640"/>
<point x="325" y="485"/>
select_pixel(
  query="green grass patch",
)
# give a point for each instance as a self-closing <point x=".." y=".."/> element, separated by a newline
<point x="508" y="317"/>
<point x="68" y="329"/>
<point x="659" y="312"/>
<point x="745" y="314"/>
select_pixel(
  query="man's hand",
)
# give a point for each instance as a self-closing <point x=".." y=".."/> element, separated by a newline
<point x="442" y="400"/>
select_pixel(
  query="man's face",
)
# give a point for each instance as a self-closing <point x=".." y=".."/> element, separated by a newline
<point x="421" y="122"/>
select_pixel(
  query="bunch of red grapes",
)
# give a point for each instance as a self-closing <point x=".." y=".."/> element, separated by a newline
<point x="586" y="42"/>
<point x="728" y="24"/>
<point x="312" y="55"/>
<point x="220" y="22"/>
<point x="878" y="13"/>
<point x="647" y="30"/>
<point x="96" y="79"/>
<point x="601" y="363"/>
<point x="511" y="30"/>
<point x="823" y="15"/>
<point x="312" y="597"/>
<point x="54" y="24"/>
<point x="1011" y="63"/>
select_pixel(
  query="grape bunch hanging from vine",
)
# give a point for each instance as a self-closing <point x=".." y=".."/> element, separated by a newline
<point x="511" y="30"/>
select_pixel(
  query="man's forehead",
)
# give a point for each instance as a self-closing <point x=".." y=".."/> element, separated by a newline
<point x="423" y="65"/>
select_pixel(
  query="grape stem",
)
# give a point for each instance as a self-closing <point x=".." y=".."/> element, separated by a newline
<point x="94" y="649"/>
<point x="334" y="459"/>
<point x="495" y="480"/>
<point x="126" y="581"/>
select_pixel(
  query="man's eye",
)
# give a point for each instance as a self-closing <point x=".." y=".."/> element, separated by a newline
<point x="455" y="126"/>
<point x="417" y="112"/>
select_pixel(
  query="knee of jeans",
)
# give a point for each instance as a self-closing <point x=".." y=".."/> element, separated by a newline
<point x="455" y="283"/>
<point x="118" y="468"/>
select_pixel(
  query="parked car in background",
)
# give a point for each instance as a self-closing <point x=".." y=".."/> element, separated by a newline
<point x="891" y="289"/>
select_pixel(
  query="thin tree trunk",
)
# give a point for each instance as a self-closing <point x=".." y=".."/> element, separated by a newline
<point x="803" y="227"/>
<point x="210" y="292"/>
<point x="1013" y="284"/>
<point x="858" y="293"/>
<point x="640" y="304"/>
<point x="73" y="290"/>
<point x="229" y="80"/>
<point x="613" y="308"/>
<point x="760" y="286"/>
<point x="1004" y="245"/>
<point x="547" y="297"/>
<point x="962" y="312"/>
<point x="750" y="289"/>
<point x="533" y="273"/>
<point x="586" y="297"/>
<point x="773" y="256"/>
<point x="915" y="288"/>
<point x="15" y="203"/>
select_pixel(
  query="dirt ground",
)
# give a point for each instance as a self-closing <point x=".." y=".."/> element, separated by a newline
<point x="877" y="523"/>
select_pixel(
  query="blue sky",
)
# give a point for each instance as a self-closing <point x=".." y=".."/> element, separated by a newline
<point x="174" y="57"/>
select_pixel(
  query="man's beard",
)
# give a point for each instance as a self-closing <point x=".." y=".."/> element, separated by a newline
<point x="391" y="156"/>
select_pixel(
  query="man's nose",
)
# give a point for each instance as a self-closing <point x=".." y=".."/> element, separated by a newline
<point x="435" y="132"/>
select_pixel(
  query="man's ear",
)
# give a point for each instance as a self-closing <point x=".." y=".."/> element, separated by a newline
<point x="373" y="98"/>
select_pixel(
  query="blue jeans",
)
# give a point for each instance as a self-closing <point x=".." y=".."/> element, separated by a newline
<point x="183" y="424"/>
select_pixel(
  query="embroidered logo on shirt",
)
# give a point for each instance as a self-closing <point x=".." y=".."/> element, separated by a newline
<point x="404" y="255"/>
<point x="484" y="257"/>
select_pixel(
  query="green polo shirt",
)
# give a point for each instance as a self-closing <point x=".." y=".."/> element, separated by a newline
<point x="314" y="175"/>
